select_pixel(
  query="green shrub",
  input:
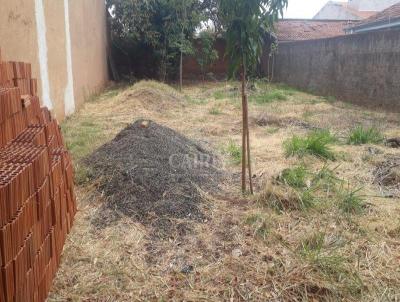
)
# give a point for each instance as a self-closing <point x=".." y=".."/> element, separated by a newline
<point x="316" y="143"/>
<point x="361" y="135"/>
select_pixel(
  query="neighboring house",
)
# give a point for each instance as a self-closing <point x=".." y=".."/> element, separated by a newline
<point x="302" y="29"/>
<point x="387" y="19"/>
<point x="353" y="9"/>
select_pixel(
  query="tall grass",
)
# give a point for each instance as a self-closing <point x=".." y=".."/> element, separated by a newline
<point x="316" y="143"/>
<point x="333" y="267"/>
<point x="351" y="202"/>
<point x="361" y="136"/>
<point x="295" y="177"/>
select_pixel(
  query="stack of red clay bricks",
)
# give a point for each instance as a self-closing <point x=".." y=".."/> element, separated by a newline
<point x="37" y="201"/>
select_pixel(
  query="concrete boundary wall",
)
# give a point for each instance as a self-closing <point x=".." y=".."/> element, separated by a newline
<point x="65" y="40"/>
<point x="361" y="68"/>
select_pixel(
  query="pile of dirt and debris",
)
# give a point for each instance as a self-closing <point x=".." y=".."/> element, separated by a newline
<point x="153" y="95"/>
<point x="155" y="175"/>
<point x="387" y="176"/>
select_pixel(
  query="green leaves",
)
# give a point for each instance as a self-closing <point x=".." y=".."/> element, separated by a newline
<point x="247" y="22"/>
<point x="206" y="53"/>
<point x="164" y="28"/>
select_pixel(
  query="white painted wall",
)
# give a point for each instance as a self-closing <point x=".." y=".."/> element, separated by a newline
<point x="372" y="5"/>
<point x="335" y="11"/>
<point x="43" y="59"/>
<point x="69" y="98"/>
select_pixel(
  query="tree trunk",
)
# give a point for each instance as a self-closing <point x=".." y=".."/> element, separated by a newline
<point x="111" y="62"/>
<point x="163" y="63"/>
<point x="248" y="148"/>
<point x="244" y="131"/>
<point x="273" y="67"/>
<point x="181" y="73"/>
<point x="246" y="158"/>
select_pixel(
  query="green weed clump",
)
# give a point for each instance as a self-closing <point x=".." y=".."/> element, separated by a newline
<point x="270" y="96"/>
<point x="298" y="188"/>
<point x="361" y="136"/>
<point x="215" y="111"/>
<point x="227" y="93"/>
<point x="235" y="152"/>
<point x="350" y="202"/>
<point x="287" y="89"/>
<point x="330" y="265"/>
<point x="316" y="143"/>
<point x="295" y="177"/>
<point x="220" y="95"/>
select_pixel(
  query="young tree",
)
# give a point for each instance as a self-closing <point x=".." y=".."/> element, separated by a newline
<point x="185" y="19"/>
<point x="246" y="22"/>
<point x="206" y="54"/>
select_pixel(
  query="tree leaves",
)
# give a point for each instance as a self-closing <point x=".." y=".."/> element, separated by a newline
<point x="246" y="23"/>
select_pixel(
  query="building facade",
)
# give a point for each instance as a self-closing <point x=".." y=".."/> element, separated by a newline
<point x="66" y="43"/>
<point x="353" y="9"/>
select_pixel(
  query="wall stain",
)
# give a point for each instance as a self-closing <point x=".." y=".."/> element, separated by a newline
<point x="14" y="17"/>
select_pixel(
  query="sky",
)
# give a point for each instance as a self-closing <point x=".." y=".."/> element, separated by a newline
<point x="304" y="9"/>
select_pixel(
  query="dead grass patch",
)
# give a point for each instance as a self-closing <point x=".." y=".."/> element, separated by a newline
<point x="246" y="251"/>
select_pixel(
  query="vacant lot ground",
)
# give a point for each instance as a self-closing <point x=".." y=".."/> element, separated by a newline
<point x="324" y="224"/>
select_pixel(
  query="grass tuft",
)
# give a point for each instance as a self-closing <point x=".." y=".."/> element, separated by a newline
<point x="332" y="267"/>
<point x="361" y="136"/>
<point x="350" y="202"/>
<point x="316" y="143"/>
<point x="270" y="96"/>
<point x="215" y="111"/>
<point x="295" y="177"/>
<point x="235" y="152"/>
<point x="259" y="223"/>
<point x="196" y="101"/>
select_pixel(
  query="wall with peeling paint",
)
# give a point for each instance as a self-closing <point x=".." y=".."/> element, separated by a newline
<point x="64" y="40"/>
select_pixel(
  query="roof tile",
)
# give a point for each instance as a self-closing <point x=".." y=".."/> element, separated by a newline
<point x="296" y="30"/>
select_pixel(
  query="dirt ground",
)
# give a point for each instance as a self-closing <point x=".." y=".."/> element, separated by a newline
<point x="245" y="250"/>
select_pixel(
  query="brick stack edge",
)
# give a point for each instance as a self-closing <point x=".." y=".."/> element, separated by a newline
<point x="37" y="201"/>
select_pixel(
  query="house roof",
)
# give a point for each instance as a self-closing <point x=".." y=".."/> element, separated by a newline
<point x="386" y="16"/>
<point x="305" y="29"/>
<point x="343" y="10"/>
<point x="356" y="12"/>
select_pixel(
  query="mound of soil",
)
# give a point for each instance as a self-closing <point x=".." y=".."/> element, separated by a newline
<point x="153" y="95"/>
<point x="155" y="175"/>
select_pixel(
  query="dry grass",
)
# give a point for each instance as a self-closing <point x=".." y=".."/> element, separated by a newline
<point x="247" y="251"/>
